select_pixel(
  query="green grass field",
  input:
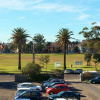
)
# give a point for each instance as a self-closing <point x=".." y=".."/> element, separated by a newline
<point x="9" y="62"/>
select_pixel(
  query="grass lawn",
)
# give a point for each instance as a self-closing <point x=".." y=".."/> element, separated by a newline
<point x="9" y="62"/>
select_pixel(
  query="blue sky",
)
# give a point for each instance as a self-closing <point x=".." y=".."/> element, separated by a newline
<point x="47" y="17"/>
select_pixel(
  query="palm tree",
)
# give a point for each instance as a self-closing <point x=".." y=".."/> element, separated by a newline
<point x="63" y="39"/>
<point x="19" y="38"/>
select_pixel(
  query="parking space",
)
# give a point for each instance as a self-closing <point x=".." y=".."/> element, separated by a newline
<point x="8" y="88"/>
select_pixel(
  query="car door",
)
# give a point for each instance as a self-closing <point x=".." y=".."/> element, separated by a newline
<point x="31" y="86"/>
<point x="68" y="95"/>
<point x="99" y="80"/>
<point x="59" y="89"/>
<point x="25" y="95"/>
<point x="24" y="86"/>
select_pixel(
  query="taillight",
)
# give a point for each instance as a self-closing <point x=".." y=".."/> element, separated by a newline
<point x="18" y="87"/>
<point x="40" y="95"/>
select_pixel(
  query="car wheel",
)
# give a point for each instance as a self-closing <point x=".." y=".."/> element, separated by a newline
<point x="93" y="82"/>
<point x="37" y="89"/>
<point x="51" y="93"/>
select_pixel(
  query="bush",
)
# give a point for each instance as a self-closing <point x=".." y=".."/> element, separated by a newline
<point x="87" y="75"/>
<point x="31" y="70"/>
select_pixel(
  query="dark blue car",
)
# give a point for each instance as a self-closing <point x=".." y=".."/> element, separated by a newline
<point x="66" y="95"/>
<point x="30" y="94"/>
<point x="95" y="80"/>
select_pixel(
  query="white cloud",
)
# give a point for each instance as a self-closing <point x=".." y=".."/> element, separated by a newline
<point x="57" y="7"/>
<point x="18" y="4"/>
<point x="21" y="18"/>
<point x="83" y="16"/>
<point x="38" y="5"/>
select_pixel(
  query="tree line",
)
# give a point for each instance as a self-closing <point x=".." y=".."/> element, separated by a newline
<point x="19" y="38"/>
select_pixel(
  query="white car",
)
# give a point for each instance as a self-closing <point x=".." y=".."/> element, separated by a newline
<point x="29" y="85"/>
<point x="64" y="99"/>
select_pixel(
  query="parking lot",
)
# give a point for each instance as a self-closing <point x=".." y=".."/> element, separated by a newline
<point x="88" y="91"/>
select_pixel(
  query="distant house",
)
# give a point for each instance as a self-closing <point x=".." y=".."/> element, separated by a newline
<point x="81" y="46"/>
<point x="1" y="48"/>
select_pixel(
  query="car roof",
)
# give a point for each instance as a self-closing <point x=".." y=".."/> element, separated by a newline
<point x="61" y="85"/>
<point x="26" y="83"/>
<point x="23" y="89"/>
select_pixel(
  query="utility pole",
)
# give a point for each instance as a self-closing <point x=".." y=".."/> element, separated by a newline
<point x="33" y="53"/>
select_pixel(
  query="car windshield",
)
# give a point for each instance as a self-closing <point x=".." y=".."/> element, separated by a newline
<point x="53" y="86"/>
<point x="96" y="77"/>
<point x="60" y="93"/>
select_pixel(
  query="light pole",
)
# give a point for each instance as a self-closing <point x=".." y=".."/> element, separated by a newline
<point x="33" y="53"/>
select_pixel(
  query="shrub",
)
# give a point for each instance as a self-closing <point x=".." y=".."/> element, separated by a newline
<point x="56" y="71"/>
<point x="87" y="75"/>
<point x="31" y="70"/>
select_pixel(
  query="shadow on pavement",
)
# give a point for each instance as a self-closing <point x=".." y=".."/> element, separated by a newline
<point x="8" y="85"/>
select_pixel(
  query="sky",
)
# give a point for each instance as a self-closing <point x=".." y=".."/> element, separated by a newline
<point x="47" y="17"/>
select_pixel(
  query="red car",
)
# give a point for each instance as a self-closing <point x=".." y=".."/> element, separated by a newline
<point x="57" y="88"/>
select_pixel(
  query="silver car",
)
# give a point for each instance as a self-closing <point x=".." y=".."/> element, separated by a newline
<point x="29" y="85"/>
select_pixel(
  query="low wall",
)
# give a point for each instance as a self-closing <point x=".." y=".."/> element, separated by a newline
<point x="24" y="78"/>
<point x="92" y="76"/>
<point x="21" y="78"/>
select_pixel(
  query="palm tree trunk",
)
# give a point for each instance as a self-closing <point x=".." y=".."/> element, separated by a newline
<point x="19" y="59"/>
<point x="67" y="48"/>
<point x="64" y="55"/>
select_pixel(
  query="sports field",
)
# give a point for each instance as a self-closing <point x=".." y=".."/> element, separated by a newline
<point x="9" y="62"/>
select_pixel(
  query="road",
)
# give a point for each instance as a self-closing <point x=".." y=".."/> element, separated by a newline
<point x="88" y="91"/>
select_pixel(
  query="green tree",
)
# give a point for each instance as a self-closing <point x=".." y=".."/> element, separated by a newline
<point x="6" y="49"/>
<point x="28" y="47"/>
<point x="44" y="60"/>
<point x="87" y="57"/>
<point x="19" y="38"/>
<point x="48" y="46"/>
<point x="38" y="41"/>
<point x="92" y="37"/>
<point x="63" y="39"/>
<point x="76" y="49"/>
<point x="96" y="59"/>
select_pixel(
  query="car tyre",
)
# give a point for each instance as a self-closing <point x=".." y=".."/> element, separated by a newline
<point x="51" y="93"/>
<point x="93" y="82"/>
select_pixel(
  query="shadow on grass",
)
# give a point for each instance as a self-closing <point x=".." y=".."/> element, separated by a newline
<point x="8" y="85"/>
<point x="87" y="67"/>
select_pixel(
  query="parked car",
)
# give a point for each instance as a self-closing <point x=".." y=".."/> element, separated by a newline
<point x="22" y="99"/>
<point x="57" y="88"/>
<point x="29" y="85"/>
<point x="68" y="95"/>
<point x="69" y="71"/>
<point x="54" y="83"/>
<point x="78" y="71"/>
<point x="95" y="80"/>
<point x="31" y="95"/>
<point x="53" y="80"/>
<point x="64" y="99"/>
<point x="49" y="79"/>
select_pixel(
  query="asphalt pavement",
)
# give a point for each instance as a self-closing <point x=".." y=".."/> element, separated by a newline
<point x="8" y="88"/>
